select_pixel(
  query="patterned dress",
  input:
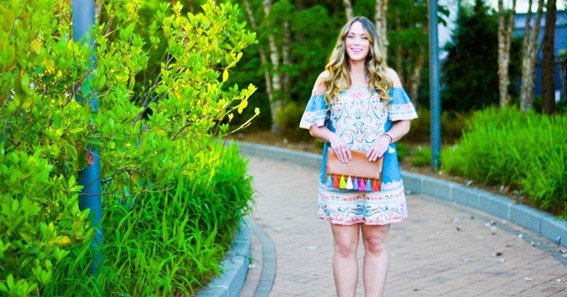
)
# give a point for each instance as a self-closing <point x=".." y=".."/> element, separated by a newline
<point x="359" y="117"/>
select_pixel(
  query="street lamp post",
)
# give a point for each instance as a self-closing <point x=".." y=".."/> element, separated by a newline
<point x="435" y="105"/>
<point x="89" y="177"/>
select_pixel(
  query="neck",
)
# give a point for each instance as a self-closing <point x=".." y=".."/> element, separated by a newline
<point x="356" y="66"/>
<point x="357" y="74"/>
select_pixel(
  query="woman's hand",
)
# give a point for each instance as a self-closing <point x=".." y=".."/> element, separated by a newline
<point x="379" y="147"/>
<point x="340" y="147"/>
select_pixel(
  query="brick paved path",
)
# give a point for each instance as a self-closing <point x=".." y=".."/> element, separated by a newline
<point x="442" y="249"/>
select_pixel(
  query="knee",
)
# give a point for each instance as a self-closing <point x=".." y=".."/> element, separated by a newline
<point x="345" y="249"/>
<point x="375" y="245"/>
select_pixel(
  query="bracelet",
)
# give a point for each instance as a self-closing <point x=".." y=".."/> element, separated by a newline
<point x="389" y="136"/>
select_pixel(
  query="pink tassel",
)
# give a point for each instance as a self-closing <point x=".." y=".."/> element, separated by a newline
<point x="362" y="186"/>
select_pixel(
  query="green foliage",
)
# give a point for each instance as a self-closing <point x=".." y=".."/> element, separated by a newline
<point x="452" y="125"/>
<point x="316" y="32"/>
<point x="421" y="157"/>
<point x="155" y="131"/>
<point x="313" y="30"/>
<point x="188" y="102"/>
<point x="43" y="134"/>
<point x="470" y="78"/>
<point x="402" y="150"/>
<point x="289" y="116"/>
<point x="40" y="222"/>
<point x="522" y="150"/>
<point x="171" y="243"/>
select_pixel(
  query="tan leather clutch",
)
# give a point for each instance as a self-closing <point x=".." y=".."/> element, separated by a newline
<point x="358" y="173"/>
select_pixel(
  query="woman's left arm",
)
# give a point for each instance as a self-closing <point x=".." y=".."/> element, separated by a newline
<point x="399" y="129"/>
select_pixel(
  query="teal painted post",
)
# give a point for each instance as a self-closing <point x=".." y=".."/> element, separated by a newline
<point x="89" y="177"/>
<point x="434" y="102"/>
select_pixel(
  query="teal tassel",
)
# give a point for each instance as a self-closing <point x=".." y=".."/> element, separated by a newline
<point x="368" y="186"/>
<point x="329" y="182"/>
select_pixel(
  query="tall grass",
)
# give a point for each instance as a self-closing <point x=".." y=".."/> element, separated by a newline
<point x="167" y="243"/>
<point x="525" y="151"/>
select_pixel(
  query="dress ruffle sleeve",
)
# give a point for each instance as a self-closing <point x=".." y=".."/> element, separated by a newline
<point x="400" y="106"/>
<point x="315" y="112"/>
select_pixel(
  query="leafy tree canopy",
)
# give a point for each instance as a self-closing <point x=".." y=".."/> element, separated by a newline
<point x="470" y="72"/>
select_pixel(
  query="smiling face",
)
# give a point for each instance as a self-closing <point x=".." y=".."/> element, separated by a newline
<point x="357" y="42"/>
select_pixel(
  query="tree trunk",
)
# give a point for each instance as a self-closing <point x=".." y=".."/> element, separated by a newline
<point x="399" y="51"/>
<point x="263" y="59"/>
<point x="276" y="103"/>
<point x="504" y="42"/>
<point x="415" y="77"/>
<point x="548" y="75"/>
<point x="399" y="64"/>
<point x="381" y="23"/>
<point x="286" y="54"/>
<point x="348" y="9"/>
<point x="529" y="58"/>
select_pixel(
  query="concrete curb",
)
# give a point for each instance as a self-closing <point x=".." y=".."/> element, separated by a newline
<point x="269" y="260"/>
<point x="548" y="226"/>
<point x="234" y="267"/>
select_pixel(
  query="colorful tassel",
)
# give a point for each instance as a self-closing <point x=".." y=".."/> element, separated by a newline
<point x="342" y="183"/>
<point x="329" y="182"/>
<point x="368" y="186"/>
<point x="335" y="182"/>
<point x="355" y="184"/>
<point x="375" y="186"/>
<point x="361" y="186"/>
<point x="349" y="183"/>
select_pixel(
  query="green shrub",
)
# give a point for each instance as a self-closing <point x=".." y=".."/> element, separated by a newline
<point x="152" y="142"/>
<point x="526" y="151"/>
<point x="421" y="157"/>
<point x="43" y="136"/>
<point x="289" y="117"/>
<point x="452" y="125"/>
<point x="170" y="243"/>
<point x="402" y="150"/>
<point x="420" y="127"/>
<point x="40" y="223"/>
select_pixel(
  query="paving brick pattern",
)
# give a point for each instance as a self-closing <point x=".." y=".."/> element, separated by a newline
<point x="441" y="250"/>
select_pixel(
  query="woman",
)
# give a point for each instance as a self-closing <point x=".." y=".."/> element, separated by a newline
<point x="358" y="103"/>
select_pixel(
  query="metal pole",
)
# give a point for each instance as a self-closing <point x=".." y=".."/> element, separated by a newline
<point x="89" y="177"/>
<point x="435" y="105"/>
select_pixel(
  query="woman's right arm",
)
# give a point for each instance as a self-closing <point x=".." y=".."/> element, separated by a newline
<point x="338" y="145"/>
<point x="314" y="119"/>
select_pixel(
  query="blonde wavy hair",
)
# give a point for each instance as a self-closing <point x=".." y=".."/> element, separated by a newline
<point x="337" y="67"/>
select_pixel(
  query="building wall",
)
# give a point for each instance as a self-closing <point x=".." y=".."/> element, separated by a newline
<point x="560" y="45"/>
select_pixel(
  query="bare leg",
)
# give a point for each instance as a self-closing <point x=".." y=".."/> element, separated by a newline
<point x="375" y="267"/>
<point x="345" y="265"/>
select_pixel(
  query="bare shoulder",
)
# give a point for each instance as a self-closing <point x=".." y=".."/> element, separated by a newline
<point x="319" y="87"/>
<point x="393" y="77"/>
<point x="323" y="76"/>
